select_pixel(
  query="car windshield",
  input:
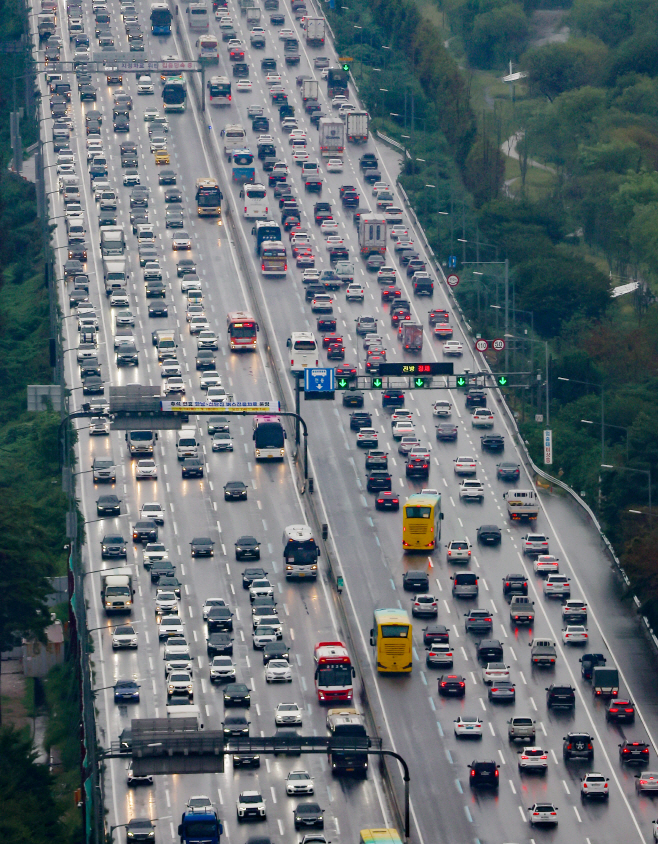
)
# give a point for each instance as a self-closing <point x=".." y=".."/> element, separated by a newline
<point x="251" y="798"/>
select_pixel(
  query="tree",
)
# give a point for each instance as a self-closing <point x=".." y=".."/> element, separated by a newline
<point x="28" y="810"/>
<point x="555" y="68"/>
<point x="484" y="171"/>
<point x="497" y="36"/>
<point x="555" y="287"/>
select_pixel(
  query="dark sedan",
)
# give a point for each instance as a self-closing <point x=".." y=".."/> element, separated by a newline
<point x="492" y="442"/>
<point x="202" y="546"/>
<point x="158" y="309"/>
<point x="489" y="535"/>
<point x="379" y="480"/>
<point x="219" y="644"/>
<point x="251" y="574"/>
<point x="502" y="691"/>
<point x="126" y="691"/>
<point x="508" y="471"/>
<point x="192" y="467"/>
<point x="353" y="398"/>
<point x="452" y="685"/>
<point x="415" y="581"/>
<point x="446" y="431"/>
<point x="235" y="491"/>
<point x="387" y="501"/>
<point x="108" y="505"/>
<point x="436" y="633"/>
<point x="237" y="694"/>
<point x="309" y="815"/>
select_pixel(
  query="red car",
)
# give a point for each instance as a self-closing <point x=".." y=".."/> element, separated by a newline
<point x="336" y="352"/>
<point x="390" y="293"/>
<point x="330" y="339"/>
<point x="387" y="501"/>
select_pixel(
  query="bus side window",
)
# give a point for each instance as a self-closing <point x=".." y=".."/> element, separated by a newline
<point x="372" y="636"/>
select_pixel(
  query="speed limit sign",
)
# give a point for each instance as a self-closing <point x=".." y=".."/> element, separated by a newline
<point x="452" y="280"/>
<point x="481" y="345"/>
<point x="498" y="344"/>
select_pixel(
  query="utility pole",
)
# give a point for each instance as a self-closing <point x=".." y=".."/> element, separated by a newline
<point x="506" y="312"/>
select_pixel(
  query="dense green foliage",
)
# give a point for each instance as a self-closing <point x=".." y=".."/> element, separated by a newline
<point x="28" y="808"/>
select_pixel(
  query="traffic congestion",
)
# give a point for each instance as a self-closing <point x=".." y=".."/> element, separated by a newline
<point x="212" y="228"/>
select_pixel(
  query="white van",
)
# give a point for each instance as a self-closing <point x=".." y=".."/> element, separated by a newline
<point x="303" y="350"/>
<point x="197" y="15"/>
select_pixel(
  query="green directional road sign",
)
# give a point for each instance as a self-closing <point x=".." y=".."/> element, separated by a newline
<point x="343" y="383"/>
<point x="377" y="383"/>
<point x="461" y="381"/>
<point x="421" y="382"/>
<point x="502" y="380"/>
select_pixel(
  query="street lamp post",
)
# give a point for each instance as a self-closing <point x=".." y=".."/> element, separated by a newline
<point x="545" y="343"/>
<point x="646" y="472"/>
<point x="507" y="307"/>
<point x="384" y="92"/>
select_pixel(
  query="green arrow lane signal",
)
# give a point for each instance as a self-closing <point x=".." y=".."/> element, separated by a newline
<point x="502" y="380"/>
<point x="420" y="382"/>
<point x="346" y="68"/>
<point x="377" y="383"/>
<point x="461" y="381"/>
<point x="343" y="383"/>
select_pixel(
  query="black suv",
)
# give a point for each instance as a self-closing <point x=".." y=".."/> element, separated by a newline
<point x="634" y="752"/>
<point x="476" y="398"/>
<point x="379" y="480"/>
<point x="145" y="530"/>
<point x="515" y="584"/>
<point x="484" y="774"/>
<point x="247" y="548"/>
<point x="490" y="650"/>
<point x="560" y="697"/>
<point x="415" y="581"/>
<point x="393" y="398"/>
<point x="577" y="746"/>
<point x="219" y="644"/>
<point x="360" y="419"/>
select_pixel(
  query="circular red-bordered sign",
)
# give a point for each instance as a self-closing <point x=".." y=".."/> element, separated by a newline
<point x="481" y="345"/>
<point x="498" y="344"/>
<point x="452" y="280"/>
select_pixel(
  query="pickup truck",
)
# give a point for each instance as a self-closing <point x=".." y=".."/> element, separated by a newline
<point x="543" y="652"/>
<point x="521" y="610"/>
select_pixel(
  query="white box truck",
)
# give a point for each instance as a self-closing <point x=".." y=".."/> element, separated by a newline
<point x="114" y="275"/>
<point x="315" y="32"/>
<point x="310" y="90"/>
<point x="117" y="590"/>
<point x="357" y="124"/>
<point x="113" y="241"/>
<point x="186" y="443"/>
<point x="372" y="234"/>
<point x="332" y="136"/>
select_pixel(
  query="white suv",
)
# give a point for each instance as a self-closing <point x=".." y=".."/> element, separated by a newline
<point x="594" y="785"/>
<point x="557" y="584"/>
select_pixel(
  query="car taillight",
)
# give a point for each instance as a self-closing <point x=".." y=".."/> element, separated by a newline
<point x="496" y="773"/>
<point x="642" y="782"/>
<point x="488" y="619"/>
<point x="628" y="710"/>
<point x="462" y="685"/>
<point x="613" y="709"/>
<point x="584" y="785"/>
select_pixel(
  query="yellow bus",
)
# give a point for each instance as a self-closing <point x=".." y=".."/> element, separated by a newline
<point x="379" y="836"/>
<point x="421" y="522"/>
<point x="391" y="636"/>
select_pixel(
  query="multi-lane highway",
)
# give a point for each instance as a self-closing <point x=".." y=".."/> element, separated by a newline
<point x="412" y="718"/>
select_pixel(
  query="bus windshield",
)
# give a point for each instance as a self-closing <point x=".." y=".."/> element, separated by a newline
<point x="334" y="675"/>
<point x="255" y="192"/>
<point x="174" y="92"/>
<point x="418" y="512"/>
<point x="247" y="329"/>
<point x="269" y="435"/>
<point x="395" y="631"/>
<point x="208" y="197"/>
